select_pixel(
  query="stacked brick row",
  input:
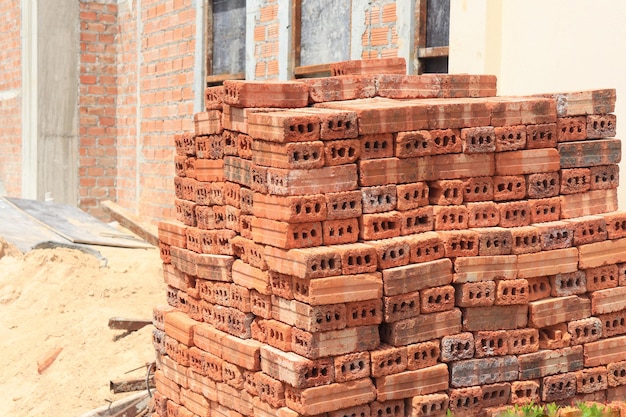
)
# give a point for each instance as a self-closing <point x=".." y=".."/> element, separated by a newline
<point x="392" y="245"/>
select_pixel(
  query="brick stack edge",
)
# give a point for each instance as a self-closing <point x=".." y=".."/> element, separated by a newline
<point x="392" y="245"/>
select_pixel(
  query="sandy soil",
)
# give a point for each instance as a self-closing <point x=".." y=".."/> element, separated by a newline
<point x="61" y="298"/>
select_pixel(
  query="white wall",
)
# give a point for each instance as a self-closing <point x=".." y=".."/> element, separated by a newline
<point x="542" y="46"/>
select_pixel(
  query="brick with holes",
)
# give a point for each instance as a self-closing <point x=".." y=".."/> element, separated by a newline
<point x="521" y="341"/>
<point x="465" y="401"/>
<point x="258" y="183"/>
<point x="495" y="395"/>
<point x="378" y="199"/>
<point x="352" y="366"/>
<point x="495" y="318"/>
<point x="494" y="241"/>
<point x="307" y="317"/>
<point x="390" y="408"/>
<point x="364" y="313"/>
<point x="511" y="291"/>
<point x="318" y="400"/>
<point x="260" y="304"/>
<point x="380" y="225"/>
<point x="341" y="151"/>
<point x="616" y="373"/>
<point x="616" y="224"/>
<point x="343" y="205"/>
<point x="571" y="283"/>
<point x="478" y="139"/>
<point x="400" y="307"/>
<point x="450" y="217"/>
<point x="478" y="189"/>
<point x="558" y="387"/>
<point x="429" y="405"/>
<point x="401" y="280"/>
<point x="291" y="155"/>
<point x="387" y="360"/>
<point x="514" y="213"/>
<point x="304" y="263"/>
<point x="412" y="144"/>
<point x="412" y="195"/>
<point x="336" y="232"/>
<point x="422" y="328"/>
<point x="392" y="252"/>
<point x="525" y="392"/>
<point x="483" y="214"/>
<point x="423" y="354"/>
<point x="417" y="221"/>
<point x="510" y="138"/>
<point x="613" y="324"/>
<point x="542" y="185"/>
<point x="296" y="370"/>
<point x="491" y="343"/>
<point x="585" y="330"/>
<point x="601" y="126"/>
<point x="459" y="243"/>
<point x="445" y="192"/>
<point x="475" y="294"/>
<point x="244" y="146"/>
<point x="436" y="299"/>
<point x="281" y="285"/>
<point x="249" y="252"/>
<point x="602" y="277"/>
<point x="263" y="94"/>
<point x="378" y="145"/>
<point x="185" y="212"/>
<point x="340" y="87"/>
<point x="457" y="347"/>
<point x="334" y="124"/>
<point x="509" y="187"/>
<point x="526" y="239"/>
<point x="604" y="177"/>
<point x="541" y="136"/>
<point x="575" y="180"/>
<point x="411" y="383"/>
<point x="555" y="235"/>
<point x="357" y="258"/>
<point x="591" y="380"/>
<point x="569" y="129"/>
<point x="338" y="289"/>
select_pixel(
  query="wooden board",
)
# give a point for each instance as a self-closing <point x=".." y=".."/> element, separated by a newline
<point x="75" y="225"/>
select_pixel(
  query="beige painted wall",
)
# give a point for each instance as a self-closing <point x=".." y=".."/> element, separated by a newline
<point x="541" y="46"/>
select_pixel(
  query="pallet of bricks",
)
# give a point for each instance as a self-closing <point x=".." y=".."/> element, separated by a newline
<point x="384" y="245"/>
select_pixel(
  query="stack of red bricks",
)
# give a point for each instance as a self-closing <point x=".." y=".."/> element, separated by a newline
<point x="392" y="245"/>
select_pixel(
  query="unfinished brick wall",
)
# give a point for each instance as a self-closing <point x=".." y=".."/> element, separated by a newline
<point x="266" y="41"/>
<point x="10" y="97"/>
<point x="384" y="257"/>
<point x="97" y="104"/>
<point x="380" y="39"/>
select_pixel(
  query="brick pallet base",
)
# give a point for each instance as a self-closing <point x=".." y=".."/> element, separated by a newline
<point x="384" y="257"/>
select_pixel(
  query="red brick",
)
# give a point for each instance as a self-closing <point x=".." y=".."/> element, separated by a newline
<point x="602" y="253"/>
<point x="412" y="144"/>
<point x="264" y="94"/>
<point x="391" y="408"/>
<point x="422" y="328"/>
<point x="207" y="123"/>
<point x="442" y="141"/>
<point x="304" y="263"/>
<point x="385" y="171"/>
<point x="387" y="360"/>
<point x="250" y="277"/>
<point x="616" y="373"/>
<point x="588" y="153"/>
<point x="335" y="232"/>
<point x="338" y="289"/>
<point x="249" y="252"/>
<point x="343" y="205"/>
<point x="541" y="136"/>
<point x="478" y="189"/>
<point x="483" y="371"/>
<point x="232" y="399"/>
<point x="380" y="225"/>
<point x="609" y="300"/>
<point x="601" y="126"/>
<point x="167" y="387"/>
<point x="411" y="383"/>
<point x="334" y="124"/>
<point x="185" y="212"/>
<point x="392" y="252"/>
<point x="180" y="327"/>
<point x="378" y="199"/>
<point x="457" y="347"/>
<point x="569" y="129"/>
<point x="292" y="155"/>
<point x="172" y="232"/>
<point x="604" y="351"/>
<point x="612" y="324"/>
<point x="466" y="401"/>
<point x="601" y="278"/>
<point x="511" y="291"/>
<point x="427" y="246"/>
<point x="455" y="166"/>
<point x="526" y="239"/>
<point x="494" y="241"/>
<point x="459" y="243"/>
<point x="205" y="363"/>
<point x="525" y="392"/>
<point x="377" y="145"/>
<point x="510" y="138"/>
<point x="422" y="355"/>
<point x="450" y="217"/>
<point x="495" y="394"/>
<point x="395" y="65"/>
<point x="208" y="170"/>
<point x="437" y="299"/>
<point x="238" y="170"/>
<point x="286" y="235"/>
<point x="550" y="362"/>
<point x="483" y="214"/>
<point x="538" y="288"/>
<point x="575" y="180"/>
<point x="545" y="209"/>
<point x="446" y="192"/>
<point x="478" y="139"/>
<point x="352" y="366"/>
<point x="604" y="177"/>
<point x="459" y="112"/>
<point x="318" y="400"/>
<point x="514" y="213"/>
<point x="197" y="404"/>
<point x="232" y="321"/>
<point x="185" y="144"/>
<point x="552" y="311"/>
<point x="529" y="161"/>
<point x="246" y="197"/>
<point x="547" y="263"/>
<point x="340" y="87"/>
<point x="522" y="341"/>
<point x="341" y="152"/>
<point x="400" y="280"/>
<point x="334" y="342"/>
<point x="271" y="390"/>
<point x="401" y="86"/>
<point x="296" y="370"/>
<point x="555" y="235"/>
<point x="290" y="209"/>
<point x="554" y="337"/>
<point x="512" y="187"/>
<point x="260" y="304"/>
<point x="558" y="387"/>
<point x="521" y="110"/>
<point x="591" y="380"/>
<point x="616" y="224"/>
<point x="240" y="298"/>
<point x="585" y="330"/>
<point x="475" y="294"/>
<point x="568" y="284"/>
<point x="307" y="317"/>
<point x="542" y="185"/>
<point x="244" y="146"/>
<point x="401" y="306"/>
<point x="364" y="313"/>
<point x="233" y="375"/>
<point x="495" y="317"/>
<point x="312" y="181"/>
<point x="231" y="142"/>
<point x="429" y="405"/>
<point x="258" y="182"/>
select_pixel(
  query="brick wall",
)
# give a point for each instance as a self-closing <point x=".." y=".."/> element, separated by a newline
<point x="380" y="39"/>
<point x="10" y="97"/>
<point x="266" y="41"/>
<point x="97" y="102"/>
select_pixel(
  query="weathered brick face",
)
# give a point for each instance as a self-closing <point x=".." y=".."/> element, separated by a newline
<point x="10" y="97"/>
